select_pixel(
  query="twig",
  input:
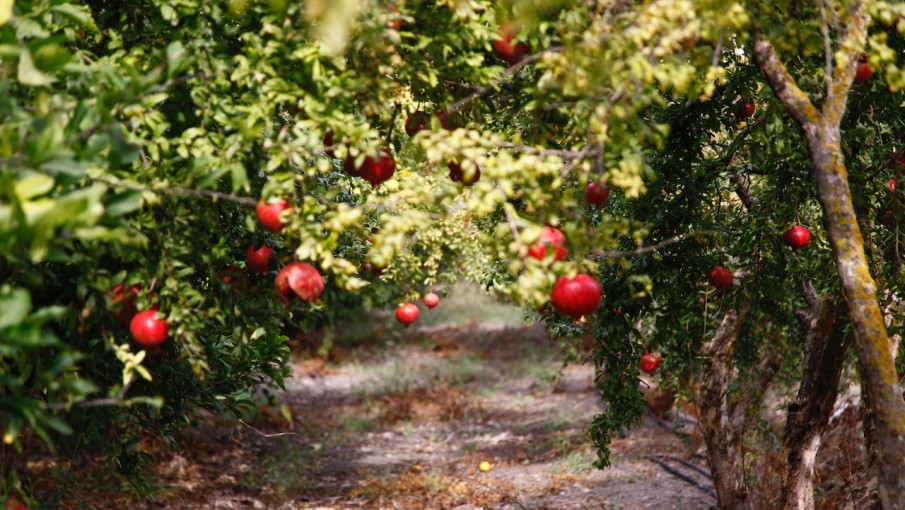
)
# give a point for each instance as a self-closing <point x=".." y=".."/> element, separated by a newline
<point x="566" y="154"/>
<point x="101" y="402"/>
<point x="827" y="50"/>
<point x="681" y="476"/>
<point x="458" y="105"/>
<point x="641" y="250"/>
<point x="262" y="434"/>
<point x="178" y="191"/>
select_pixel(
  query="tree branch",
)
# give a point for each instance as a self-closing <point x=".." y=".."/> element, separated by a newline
<point x="784" y="86"/>
<point x="214" y="195"/>
<point x="641" y="250"/>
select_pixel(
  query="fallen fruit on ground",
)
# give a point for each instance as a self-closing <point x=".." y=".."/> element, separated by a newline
<point x="407" y="314"/>
<point x="431" y="300"/>
<point x="269" y="214"/>
<point x="720" y="277"/>
<point x="797" y="237"/>
<point x="148" y="331"/>
<point x="485" y="466"/>
<point x="550" y="239"/>
<point x="301" y="280"/>
<point x="576" y="296"/>
<point x="257" y="260"/>
<point x="650" y="362"/>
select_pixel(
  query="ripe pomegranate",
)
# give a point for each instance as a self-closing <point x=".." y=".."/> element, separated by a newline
<point x="396" y="22"/>
<point x="466" y="177"/>
<point x="371" y="170"/>
<point x="301" y="279"/>
<point x="431" y="300"/>
<point x="550" y="238"/>
<point x="147" y="331"/>
<point x="256" y="260"/>
<point x="576" y="296"/>
<point x="863" y="73"/>
<point x="720" y="277"/>
<point x="650" y="362"/>
<point x="236" y="278"/>
<point x="14" y="504"/>
<point x="407" y="314"/>
<point x="797" y="237"/>
<point x="125" y="299"/>
<point x="328" y="144"/>
<point x="745" y="109"/>
<point x="892" y="184"/>
<point x="269" y="214"/>
<point x="506" y="50"/>
<point x="419" y="121"/>
<point x="597" y="194"/>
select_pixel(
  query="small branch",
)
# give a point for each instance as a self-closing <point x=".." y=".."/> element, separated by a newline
<point x="827" y="51"/>
<point x="262" y="434"/>
<point x="784" y="86"/>
<point x="565" y="154"/>
<point x="513" y="227"/>
<point x="214" y="195"/>
<point x="654" y="247"/>
<point x="458" y="105"/>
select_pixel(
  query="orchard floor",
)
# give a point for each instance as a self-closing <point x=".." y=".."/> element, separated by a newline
<point x="404" y="422"/>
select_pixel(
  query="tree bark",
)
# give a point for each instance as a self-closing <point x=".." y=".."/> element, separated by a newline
<point x="810" y="413"/>
<point x="722" y="426"/>
<point x="823" y="139"/>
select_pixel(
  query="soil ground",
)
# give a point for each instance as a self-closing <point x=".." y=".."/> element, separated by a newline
<point x="405" y="422"/>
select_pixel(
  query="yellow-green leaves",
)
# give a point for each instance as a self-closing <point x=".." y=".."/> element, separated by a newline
<point x="6" y="11"/>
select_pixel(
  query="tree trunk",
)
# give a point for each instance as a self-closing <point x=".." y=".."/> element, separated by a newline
<point x="823" y="139"/>
<point x="723" y="430"/>
<point x="810" y="413"/>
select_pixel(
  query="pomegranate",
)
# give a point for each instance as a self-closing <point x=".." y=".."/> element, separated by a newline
<point x="506" y="50"/>
<point x="301" y="279"/>
<point x="371" y="170"/>
<point x="14" y="504"/>
<point x="797" y="237"/>
<point x="125" y="299"/>
<point x="467" y="177"/>
<point x="269" y="214"/>
<point x="745" y="109"/>
<point x="720" y="277"/>
<point x="550" y="239"/>
<point x="407" y="314"/>
<point x="147" y="331"/>
<point x="576" y="296"/>
<point x="236" y="278"/>
<point x="863" y="73"/>
<point x="256" y="260"/>
<point x="431" y="300"/>
<point x="650" y="362"/>
<point x="597" y="194"/>
<point x="420" y="121"/>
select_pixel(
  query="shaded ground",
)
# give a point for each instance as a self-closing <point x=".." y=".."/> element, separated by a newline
<point x="406" y="425"/>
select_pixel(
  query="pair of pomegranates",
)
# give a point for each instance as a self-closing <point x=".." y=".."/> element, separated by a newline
<point x="407" y="313"/>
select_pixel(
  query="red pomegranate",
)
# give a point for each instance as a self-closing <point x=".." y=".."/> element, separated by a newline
<point x="576" y="296"/>
<point x="371" y="170"/>
<point x="506" y="50"/>
<point x="269" y="214"/>
<point x="300" y="279"/>
<point x="467" y="177"/>
<point x="745" y="109"/>
<point x="147" y="331"/>
<point x="14" y="504"/>
<point x="407" y="314"/>
<point x="124" y="299"/>
<point x="797" y="237"/>
<point x="431" y="300"/>
<point x="863" y="73"/>
<point x="650" y="362"/>
<point x="420" y="121"/>
<point x="236" y="278"/>
<point x="597" y="194"/>
<point x="257" y="260"/>
<point x="720" y="277"/>
<point x="550" y="238"/>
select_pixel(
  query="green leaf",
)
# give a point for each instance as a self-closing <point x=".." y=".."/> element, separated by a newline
<point x="33" y="186"/>
<point x="29" y="74"/>
<point x="14" y="307"/>
<point x="80" y="14"/>
<point x="122" y="204"/>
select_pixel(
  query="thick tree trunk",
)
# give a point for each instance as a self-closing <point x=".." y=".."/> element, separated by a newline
<point x="810" y="413"/>
<point x="823" y="138"/>
<point x="722" y="426"/>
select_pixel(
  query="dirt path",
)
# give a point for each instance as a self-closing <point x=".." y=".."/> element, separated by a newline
<point x="406" y="427"/>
